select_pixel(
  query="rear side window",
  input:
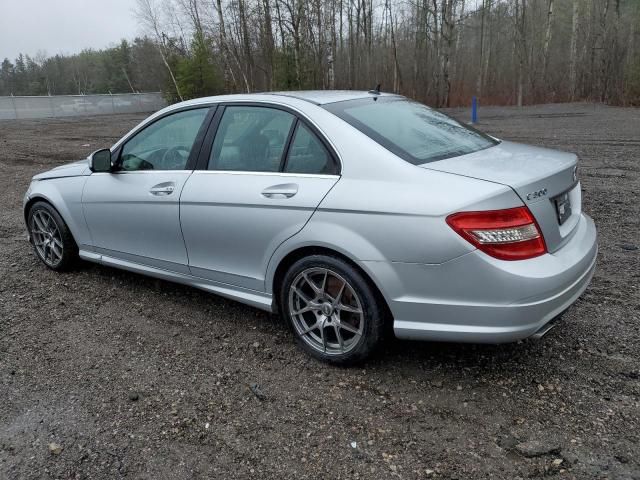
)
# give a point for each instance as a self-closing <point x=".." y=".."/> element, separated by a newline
<point x="409" y="129"/>
<point x="307" y="154"/>
<point x="250" y="139"/>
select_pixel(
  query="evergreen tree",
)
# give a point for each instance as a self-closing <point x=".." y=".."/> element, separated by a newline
<point x="197" y="74"/>
<point x="7" y="74"/>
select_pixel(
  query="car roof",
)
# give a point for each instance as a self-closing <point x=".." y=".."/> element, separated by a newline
<point x="317" y="97"/>
<point x="322" y="97"/>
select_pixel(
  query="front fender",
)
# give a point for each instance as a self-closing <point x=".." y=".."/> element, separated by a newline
<point x="65" y="194"/>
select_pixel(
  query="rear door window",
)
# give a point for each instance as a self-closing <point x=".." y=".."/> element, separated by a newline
<point x="251" y="139"/>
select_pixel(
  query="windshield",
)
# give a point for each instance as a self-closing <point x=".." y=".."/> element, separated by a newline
<point x="409" y="129"/>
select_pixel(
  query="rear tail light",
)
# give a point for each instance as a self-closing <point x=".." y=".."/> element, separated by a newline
<point x="510" y="234"/>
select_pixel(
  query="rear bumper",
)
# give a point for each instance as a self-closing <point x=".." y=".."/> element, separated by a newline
<point x="476" y="298"/>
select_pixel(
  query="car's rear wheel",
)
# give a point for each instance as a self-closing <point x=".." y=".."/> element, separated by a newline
<point x="333" y="311"/>
<point x="51" y="238"/>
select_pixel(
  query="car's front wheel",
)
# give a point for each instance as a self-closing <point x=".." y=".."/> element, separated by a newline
<point x="51" y="238"/>
<point x="332" y="309"/>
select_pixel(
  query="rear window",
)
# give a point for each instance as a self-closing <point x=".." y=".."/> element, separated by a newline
<point x="409" y="129"/>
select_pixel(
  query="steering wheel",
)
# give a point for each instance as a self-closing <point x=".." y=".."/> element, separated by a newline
<point x="175" y="158"/>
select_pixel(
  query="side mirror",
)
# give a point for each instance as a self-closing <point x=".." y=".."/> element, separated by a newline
<point x="100" y="160"/>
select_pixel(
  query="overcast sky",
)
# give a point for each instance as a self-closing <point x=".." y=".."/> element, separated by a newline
<point x="63" y="26"/>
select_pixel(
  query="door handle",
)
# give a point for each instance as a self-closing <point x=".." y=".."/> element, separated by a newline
<point x="163" y="189"/>
<point x="286" y="190"/>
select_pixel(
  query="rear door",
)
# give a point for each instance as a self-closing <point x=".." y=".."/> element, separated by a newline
<point x="262" y="173"/>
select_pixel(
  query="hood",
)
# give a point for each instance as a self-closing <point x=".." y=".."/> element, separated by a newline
<point x="74" y="169"/>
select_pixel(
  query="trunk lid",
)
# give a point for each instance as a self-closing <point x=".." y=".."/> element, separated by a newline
<point x="545" y="180"/>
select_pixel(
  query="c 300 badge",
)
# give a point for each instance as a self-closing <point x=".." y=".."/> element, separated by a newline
<point x="537" y="194"/>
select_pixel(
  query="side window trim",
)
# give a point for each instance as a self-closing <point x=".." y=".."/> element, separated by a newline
<point x="197" y="143"/>
<point x="287" y="145"/>
<point x="202" y="162"/>
<point x="205" y="150"/>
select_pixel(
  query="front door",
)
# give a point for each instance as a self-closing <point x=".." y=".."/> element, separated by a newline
<point x="133" y="213"/>
<point x="267" y="172"/>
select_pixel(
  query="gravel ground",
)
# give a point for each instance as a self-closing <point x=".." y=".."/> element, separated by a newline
<point x="107" y="374"/>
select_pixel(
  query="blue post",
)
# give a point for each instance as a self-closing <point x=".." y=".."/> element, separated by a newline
<point x="474" y="109"/>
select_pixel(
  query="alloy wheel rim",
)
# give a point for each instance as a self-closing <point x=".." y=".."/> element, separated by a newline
<point x="46" y="238"/>
<point x="326" y="312"/>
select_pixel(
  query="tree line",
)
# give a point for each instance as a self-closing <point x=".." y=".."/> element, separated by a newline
<point x="438" y="51"/>
<point x="129" y="67"/>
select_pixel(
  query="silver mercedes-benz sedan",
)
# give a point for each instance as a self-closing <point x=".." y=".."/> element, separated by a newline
<point x="347" y="212"/>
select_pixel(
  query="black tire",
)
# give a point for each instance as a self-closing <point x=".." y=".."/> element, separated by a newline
<point x="361" y="294"/>
<point x="68" y="256"/>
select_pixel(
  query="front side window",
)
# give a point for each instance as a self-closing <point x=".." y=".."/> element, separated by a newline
<point x="409" y="129"/>
<point x="251" y="139"/>
<point x="165" y="144"/>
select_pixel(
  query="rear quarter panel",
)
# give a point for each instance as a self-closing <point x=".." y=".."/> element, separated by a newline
<point x="399" y="219"/>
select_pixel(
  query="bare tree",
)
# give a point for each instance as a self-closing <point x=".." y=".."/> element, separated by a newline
<point x="573" y="54"/>
<point x="547" y="41"/>
<point x="521" y="45"/>
<point x="147" y="13"/>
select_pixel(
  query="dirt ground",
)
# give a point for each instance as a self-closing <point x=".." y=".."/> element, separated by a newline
<point x="138" y="378"/>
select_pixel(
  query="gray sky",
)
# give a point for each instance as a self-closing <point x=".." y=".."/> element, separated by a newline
<point x="63" y="26"/>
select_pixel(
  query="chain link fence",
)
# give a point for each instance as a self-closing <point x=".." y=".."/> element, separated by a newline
<point x="12" y="108"/>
